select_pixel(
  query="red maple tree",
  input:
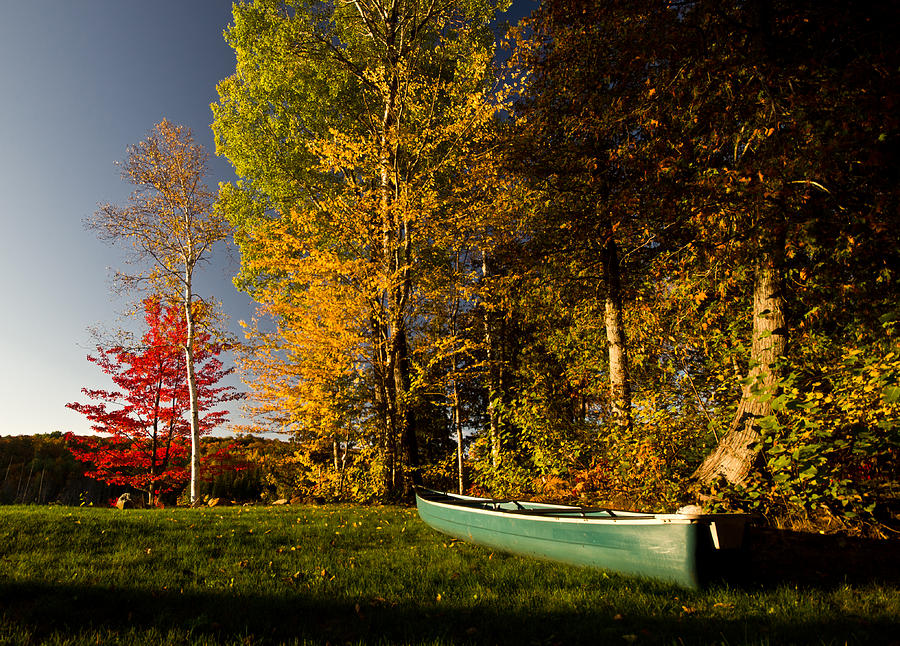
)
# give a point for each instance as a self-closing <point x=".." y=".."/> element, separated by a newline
<point x="146" y="443"/>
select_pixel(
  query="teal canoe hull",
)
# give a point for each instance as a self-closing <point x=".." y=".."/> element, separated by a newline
<point x="676" y="548"/>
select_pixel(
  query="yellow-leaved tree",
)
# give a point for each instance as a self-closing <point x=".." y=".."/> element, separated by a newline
<point x="349" y="123"/>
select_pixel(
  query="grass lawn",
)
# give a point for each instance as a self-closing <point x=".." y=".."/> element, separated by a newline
<point x="378" y="575"/>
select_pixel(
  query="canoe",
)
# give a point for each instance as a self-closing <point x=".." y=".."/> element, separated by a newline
<point x="687" y="549"/>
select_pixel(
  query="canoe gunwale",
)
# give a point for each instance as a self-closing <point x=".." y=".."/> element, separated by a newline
<point x="559" y="512"/>
<point x="678" y="548"/>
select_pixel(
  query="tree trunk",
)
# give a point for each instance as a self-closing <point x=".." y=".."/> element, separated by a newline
<point x="735" y="453"/>
<point x="154" y="440"/>
<point x="619" y="383"/>
<point x="457" y="425"/>
<point x="406" y="413"/>
<point x="380" y="364"/>
<point x="397" y="250"/>
<point x="390" y="241"/>
<point x="192" y="389"/>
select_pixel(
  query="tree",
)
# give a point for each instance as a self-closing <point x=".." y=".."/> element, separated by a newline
<point x="739" y="156"/>
<point x="750" y="109"/>
<point x="148" y="443"/>
<point x="172" y="228"/>
<point x="577" y="151"/>
<point x="344" y="121"/>
<point x="581" y="138"/>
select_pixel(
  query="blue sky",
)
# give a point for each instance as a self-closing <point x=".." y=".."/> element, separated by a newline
<point x="79" y="82"/>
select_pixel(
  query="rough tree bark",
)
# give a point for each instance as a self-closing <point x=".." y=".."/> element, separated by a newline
<point x="733" y="457"/>
<point x="619" y="383"/>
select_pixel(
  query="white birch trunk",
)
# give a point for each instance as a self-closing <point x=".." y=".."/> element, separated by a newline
<point x="192" y="389"/>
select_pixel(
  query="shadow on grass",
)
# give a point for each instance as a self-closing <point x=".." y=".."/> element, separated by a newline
<point x="780" y="557"/>
<point x="45" y="611"/>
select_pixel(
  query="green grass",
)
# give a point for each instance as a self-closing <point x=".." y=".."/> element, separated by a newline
<point x="370" y="575"/>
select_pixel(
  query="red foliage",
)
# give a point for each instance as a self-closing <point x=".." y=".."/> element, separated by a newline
<point x="148" y="443"/>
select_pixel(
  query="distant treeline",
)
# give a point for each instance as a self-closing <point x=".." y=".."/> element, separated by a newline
<point x="40" y="469"/>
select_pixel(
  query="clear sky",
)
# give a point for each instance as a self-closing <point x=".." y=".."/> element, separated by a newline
<point x="79" y="82"/>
